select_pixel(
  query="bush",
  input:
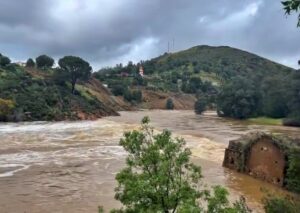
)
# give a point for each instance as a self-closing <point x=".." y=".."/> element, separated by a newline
<point x="6" y="108"/>
<point x="293" y="171"/>
<point x="279" y="205"/>
<point x="133" y="95"/>
<point x="44" y="61"/>
<point x="30" y="63"/>
<point x="200" y="106"/>
<point x="169" y="104"/>
<point x="118" y="90"/>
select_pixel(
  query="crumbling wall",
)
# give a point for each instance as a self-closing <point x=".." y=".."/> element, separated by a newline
<point x="266" y="161"/>
<point x="267" y="157"/>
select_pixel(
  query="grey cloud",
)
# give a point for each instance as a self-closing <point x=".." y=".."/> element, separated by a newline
<point x="106" y="32"/>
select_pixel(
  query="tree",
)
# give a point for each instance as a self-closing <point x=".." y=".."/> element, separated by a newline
<point x="44" y="61"/>
<point x="4" y="60"/>
<point x="200" y="106"/>
<point x="76" y="68"/>
<point x="159" y="177"/>
<point x="238" y="98"/>
<point x="169" y="104"/>
<point x="292" y="6"/>
<point x="30" y="63"/>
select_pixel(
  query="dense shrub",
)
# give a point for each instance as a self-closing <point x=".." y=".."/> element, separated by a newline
<point x="30" y="63"/>
<point x="169" y="104"/>
<point x="133" y="95"/>
<point x="200" y="106"/>
<point x="280" y="205"/>
<point x="6" y="108"/>
<point x="293" y="171"/>
<point x="118" y="90"/>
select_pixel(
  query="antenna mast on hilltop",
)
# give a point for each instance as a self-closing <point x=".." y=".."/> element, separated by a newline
<point x="173" y="44"/>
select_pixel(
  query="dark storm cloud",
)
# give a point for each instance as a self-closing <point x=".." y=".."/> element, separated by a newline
<point x="106" y="32"/>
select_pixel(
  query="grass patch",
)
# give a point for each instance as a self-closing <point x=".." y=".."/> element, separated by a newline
<point x="265" y="121"/>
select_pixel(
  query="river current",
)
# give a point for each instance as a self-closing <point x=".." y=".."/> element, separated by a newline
<point x="70" y="166"/>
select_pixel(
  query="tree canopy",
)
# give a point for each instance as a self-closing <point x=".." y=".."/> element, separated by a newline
<point x="44" y="61"/>
<point x="4" y="60"/>
<point x="30" y="63"/>
<point x="238" y="98"/>
<point x="75" y="68"/>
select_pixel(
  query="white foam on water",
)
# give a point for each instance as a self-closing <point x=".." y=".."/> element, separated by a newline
<point x="12" y="172"/>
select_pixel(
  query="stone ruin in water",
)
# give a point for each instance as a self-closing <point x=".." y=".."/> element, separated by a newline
<point x="263" y="156"/>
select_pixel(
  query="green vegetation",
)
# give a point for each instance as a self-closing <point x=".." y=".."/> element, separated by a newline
<point x="159" y="177"/>
<point x="265" y="121"/>
<point x="169" y="104"/>
<point x="292" y="6"/>
<point x="44" y="61"/>
<point x="33" y="94"/>
<point x="238" y="99"/>
<point x="6" y="109"/>
<point x="276" y="204"/>
<point x="74" y="68"/>
<point x="236" y="83"/>
<point x="30" y="63"/>
<point x="133" y="95"/>
<point x="4" y="60"/>
<point x="293" y="171"/>
<point x="200" y="106"/>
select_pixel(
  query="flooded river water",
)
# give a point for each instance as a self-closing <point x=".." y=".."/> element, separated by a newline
<point x="70" y="166"/>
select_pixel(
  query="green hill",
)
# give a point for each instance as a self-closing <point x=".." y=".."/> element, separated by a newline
<point x="236" y="83"/>
<point x="223" y="61"/>
<point x="210" y="64"/>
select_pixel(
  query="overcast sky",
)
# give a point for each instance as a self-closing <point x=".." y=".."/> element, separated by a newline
<point x="106" y="32"/>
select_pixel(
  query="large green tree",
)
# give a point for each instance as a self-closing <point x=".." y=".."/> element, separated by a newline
<point x="44" y="61"/>
<point x="75" y="68"/>
<point x="238" y="98"/>
<point x="159" y="177"/>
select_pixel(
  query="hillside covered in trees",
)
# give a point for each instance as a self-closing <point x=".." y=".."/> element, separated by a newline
<point x="236" y="83"/>
<point x="38" y="92"/>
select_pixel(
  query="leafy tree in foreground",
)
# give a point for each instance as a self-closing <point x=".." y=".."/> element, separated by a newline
<point x="44" y="61"/>
<point x="290" y="6"/>
<point x="76" y="68"/>
<point x="30" y="63"/>
<point x="159" y="177"/>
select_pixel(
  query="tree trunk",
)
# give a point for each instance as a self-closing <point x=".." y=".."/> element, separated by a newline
<point x="73" y="86"/>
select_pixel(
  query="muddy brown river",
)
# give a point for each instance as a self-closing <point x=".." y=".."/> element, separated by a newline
<point x="70" y="166"/>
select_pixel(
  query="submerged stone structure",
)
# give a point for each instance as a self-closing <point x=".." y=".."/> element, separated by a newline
<point x="264" y="156"/>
